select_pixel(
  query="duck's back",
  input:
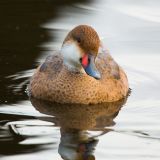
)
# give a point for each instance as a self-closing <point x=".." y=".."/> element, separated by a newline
<point x="54" y="82"/>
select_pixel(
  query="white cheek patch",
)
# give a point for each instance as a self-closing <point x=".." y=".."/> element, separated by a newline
<point x="71" y="55"/>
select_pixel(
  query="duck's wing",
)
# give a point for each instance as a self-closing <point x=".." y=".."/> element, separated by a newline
<point x="52" y="65"/>
<point x="45" y="76"/>
<point x="107" y="65"/>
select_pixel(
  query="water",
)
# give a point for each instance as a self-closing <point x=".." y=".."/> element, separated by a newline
<point x="129" y="129"/>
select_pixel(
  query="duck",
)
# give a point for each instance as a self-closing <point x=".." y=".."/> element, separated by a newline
<point x="81" y="72"/>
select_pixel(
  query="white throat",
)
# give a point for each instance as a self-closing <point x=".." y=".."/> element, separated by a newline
<point x="71" y="55"/>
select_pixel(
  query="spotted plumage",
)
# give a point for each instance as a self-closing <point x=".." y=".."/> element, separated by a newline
<point x="62" y="78"/>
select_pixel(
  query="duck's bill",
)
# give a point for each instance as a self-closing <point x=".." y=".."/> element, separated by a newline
<point x="91" y="69"/>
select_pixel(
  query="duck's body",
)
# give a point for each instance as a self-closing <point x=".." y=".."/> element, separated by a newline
<point x="56" y="80"/>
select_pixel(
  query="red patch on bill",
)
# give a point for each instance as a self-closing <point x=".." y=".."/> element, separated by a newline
<point x="85" y="60"/>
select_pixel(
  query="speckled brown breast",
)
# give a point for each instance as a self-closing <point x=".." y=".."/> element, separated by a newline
<point x="54" y="82"/>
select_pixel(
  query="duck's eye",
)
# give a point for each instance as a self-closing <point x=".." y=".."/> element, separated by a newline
<point x="78" y="40"/>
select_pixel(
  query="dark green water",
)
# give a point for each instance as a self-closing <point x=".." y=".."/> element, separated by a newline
<point x="29" y="31"/>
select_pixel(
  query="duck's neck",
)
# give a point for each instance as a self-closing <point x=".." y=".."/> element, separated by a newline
<point x="71" y="56"/>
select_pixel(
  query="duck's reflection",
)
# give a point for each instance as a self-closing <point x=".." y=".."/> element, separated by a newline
<point x="76" y="145"/>
<point x="80" y="125"/>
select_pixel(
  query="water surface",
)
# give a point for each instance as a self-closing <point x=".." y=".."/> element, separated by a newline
<point x="128" y="129"/>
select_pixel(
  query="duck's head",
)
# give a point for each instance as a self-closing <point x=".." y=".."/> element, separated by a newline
<point x="80" y="49"/>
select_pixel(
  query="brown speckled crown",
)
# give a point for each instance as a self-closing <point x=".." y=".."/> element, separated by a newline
<point x="86" y="37"/>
